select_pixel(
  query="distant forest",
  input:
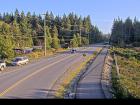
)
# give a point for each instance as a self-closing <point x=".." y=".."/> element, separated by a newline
<point x="20" y="30"/>
<point x="126" y="32"/>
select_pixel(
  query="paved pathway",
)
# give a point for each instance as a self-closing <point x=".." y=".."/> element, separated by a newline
<point x="89" y="87"/>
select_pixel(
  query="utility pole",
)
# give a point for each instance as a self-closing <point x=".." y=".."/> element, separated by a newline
<point x="89" y="37"/>
<point x="44" y="34"/>
<point x="80" y="37"/>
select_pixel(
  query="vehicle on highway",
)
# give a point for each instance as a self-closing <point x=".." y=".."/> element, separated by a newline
<point x="19" y="61"/>
<point x="73" y="50"/>
<point x="106" y="43"/>
<point x="2" y="65"/>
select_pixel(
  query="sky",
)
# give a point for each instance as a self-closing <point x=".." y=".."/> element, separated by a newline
<point x="102" y="12"/>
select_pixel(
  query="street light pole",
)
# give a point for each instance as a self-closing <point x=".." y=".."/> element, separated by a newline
<point x="80" y="38"/>
<point x="44" y="34"/>
<point x="89" y="37"/>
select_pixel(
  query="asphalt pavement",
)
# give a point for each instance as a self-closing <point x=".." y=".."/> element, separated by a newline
<point x="34" y="80"/>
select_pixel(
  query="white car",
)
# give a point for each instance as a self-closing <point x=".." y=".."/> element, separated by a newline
<point x="2" y="65"/>
<point x="20" y="61"/>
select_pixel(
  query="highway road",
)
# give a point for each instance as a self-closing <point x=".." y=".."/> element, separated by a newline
<point x="35" y="79"/>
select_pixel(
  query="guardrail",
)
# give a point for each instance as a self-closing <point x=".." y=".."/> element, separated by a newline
<point x="116" y="65"/>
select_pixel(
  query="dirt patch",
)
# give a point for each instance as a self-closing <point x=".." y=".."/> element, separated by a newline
<point x="106" y="76"/>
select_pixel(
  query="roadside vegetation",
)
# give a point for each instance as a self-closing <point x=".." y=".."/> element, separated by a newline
<point x="40" y="53"/>
<point x="72" y="73"/>
<point x="128" y="84"/>
<point x="125" y="36"/>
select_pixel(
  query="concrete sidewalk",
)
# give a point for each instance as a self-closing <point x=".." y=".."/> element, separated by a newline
<point x="89" y="87"/>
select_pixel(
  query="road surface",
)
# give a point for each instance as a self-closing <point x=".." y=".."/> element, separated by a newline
<point x="89" y="86"/>
<point x="35" y="79"/>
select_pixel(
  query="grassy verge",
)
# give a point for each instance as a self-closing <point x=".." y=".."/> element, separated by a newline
<point x="128" y="85"/>
<point x="38" y="54"/>
<point x="71" y="74"/>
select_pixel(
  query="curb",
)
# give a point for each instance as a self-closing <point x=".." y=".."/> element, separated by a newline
<point x="105" y="82"/>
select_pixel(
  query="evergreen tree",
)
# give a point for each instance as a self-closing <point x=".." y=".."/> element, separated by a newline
<point x="17" y="16"/>
<point x="95" y="35"/>
<point x="84" y="41"/>
<point x="23" y="27"/>
<point x="48" y="38"/>
<point x="118" y="32"/>
<point x="48" y="19"/>
<point x="7" y="18"/>
<point x="62" y="41"/>
<point x="29" y="18"/>
<point x="66" y="22"/>
<point x="37" y="30"/>
<point x="71" y="17"/>
<point x="124" y="33"/>
<point x="52" y="23"/>
<point x="16" y="34"/>
<point x="129" y="32"/>
<point x="79" y="40"/>
<point x="74" y="42"/>
<point x="1" y="18"/>
<point x="80" y="23"/>
<point x="58" y="24"/>
<point x="55" y="40"/>
<point x="26" y="31"/>
<point x="136" y="30"/>
<point x="87" y="24"/>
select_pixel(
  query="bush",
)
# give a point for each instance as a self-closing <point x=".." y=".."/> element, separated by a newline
<point x="128" y="85"/>
<point x="95" y="53"/>
<point x="84" y="55"/>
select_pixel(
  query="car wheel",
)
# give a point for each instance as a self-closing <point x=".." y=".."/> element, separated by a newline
<point x="2" y="68"/>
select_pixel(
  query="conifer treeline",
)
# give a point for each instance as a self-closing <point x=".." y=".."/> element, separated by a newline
<point x="126" y="32"/>
<point x="19" y="30"/>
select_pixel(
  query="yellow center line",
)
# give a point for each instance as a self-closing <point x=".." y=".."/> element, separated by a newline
<point x="30" y="75"/>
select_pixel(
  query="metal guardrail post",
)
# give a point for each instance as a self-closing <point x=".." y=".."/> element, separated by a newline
<point x="116" y="63"/>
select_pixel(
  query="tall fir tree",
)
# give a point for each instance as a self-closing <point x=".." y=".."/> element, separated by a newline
<point x="136" y="30"/>
<point x="48" y="38"/>
<point x="55" y="40"/>
<point x="74" y="41"/>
